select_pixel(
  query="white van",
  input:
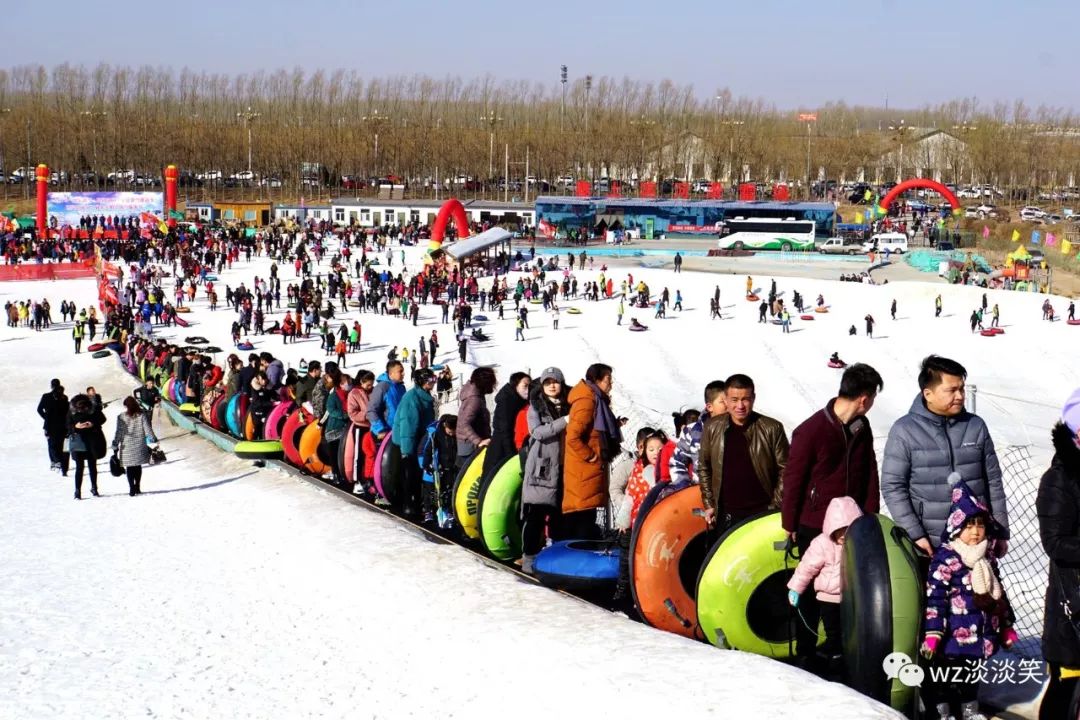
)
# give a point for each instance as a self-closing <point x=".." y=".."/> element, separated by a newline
<point x="893" y="242"/>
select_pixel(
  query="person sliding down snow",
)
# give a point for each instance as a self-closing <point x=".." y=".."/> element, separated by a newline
<point x="635" y="325"/>
<point x="835" y="359"/>
<point x="821" y="301"/>
<point x="820" y="564"/>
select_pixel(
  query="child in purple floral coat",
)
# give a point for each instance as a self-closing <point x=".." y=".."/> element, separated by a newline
<point x="967" y="613"/>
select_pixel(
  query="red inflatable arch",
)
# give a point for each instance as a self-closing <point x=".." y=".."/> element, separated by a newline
<point x="920" y="183"/>
<point x="452" y="208"/>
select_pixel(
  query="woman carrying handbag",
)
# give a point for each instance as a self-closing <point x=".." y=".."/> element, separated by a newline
<point x="130" y="443"/>
<point x="86" y="441"/>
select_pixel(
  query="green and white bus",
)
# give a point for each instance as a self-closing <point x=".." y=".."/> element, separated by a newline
<point x="788" y="234"/>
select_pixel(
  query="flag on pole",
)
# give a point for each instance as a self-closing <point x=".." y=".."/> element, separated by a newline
<point x="986" y="232"/>
<point x="1035" y="235"/>
<point x="1016" y="236"/>
<point x="1066" y="247"/>
<point x="867" y="195"/>
<point x="858" y="218"/>
<point x="1051" y="239"/>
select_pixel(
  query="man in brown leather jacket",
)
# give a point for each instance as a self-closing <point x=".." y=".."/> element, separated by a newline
<point x="742" y="457"/>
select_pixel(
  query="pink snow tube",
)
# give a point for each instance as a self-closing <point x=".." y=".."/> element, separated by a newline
<point x="276" y="418"/>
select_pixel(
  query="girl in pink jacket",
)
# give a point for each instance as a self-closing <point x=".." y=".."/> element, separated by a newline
<point x="821" y="564"/>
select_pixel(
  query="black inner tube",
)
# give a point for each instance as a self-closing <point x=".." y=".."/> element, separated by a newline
<point x="866" y="608"/>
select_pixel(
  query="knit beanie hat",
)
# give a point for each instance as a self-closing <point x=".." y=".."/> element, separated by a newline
<point x="1070" y="414"/>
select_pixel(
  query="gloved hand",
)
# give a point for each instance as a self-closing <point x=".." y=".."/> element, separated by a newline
<point x="1009" y="638"/>
<point x="929" y="646"/>
<point x="793" y="598"/>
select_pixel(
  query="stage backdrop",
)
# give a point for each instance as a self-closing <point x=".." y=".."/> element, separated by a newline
<point x="68" y="207"/>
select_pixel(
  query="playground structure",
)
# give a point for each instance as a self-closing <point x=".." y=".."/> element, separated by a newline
<point x="41" y="178"/>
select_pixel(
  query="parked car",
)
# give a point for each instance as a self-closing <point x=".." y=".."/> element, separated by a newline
<point x="841" y="246"/>
<point x="972" y="193"/>
<point x="1030" y="212"/>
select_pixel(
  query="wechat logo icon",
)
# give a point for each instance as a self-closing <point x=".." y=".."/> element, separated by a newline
<point x="898" y="666"/>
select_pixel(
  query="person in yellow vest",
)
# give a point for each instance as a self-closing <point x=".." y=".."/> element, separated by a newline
<point x="77" y="333"/>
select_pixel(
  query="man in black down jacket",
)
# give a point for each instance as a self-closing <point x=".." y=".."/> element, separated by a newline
<point x="53" y="410"/>
<point x="938" y="437"/>
<point x="1058" y="505"/>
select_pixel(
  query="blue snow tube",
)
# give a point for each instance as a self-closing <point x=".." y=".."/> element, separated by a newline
<point x="232" y="416"/>
<point x="578" y="564"/>
<point x="179" y="396"/>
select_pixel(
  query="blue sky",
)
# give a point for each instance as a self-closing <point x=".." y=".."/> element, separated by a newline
<point x="791" y="53"/>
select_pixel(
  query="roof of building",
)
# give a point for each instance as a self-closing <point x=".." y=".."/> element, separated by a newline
<point x="477" y="243"/>
<point x="433" y="204"/>
<point x="279" y="206"/>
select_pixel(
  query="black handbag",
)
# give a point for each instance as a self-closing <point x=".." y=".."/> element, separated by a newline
<point x="157" y="456"/>
<point x="116" y="468"/>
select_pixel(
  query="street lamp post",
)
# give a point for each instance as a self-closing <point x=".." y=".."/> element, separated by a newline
<point x="588" y="91"/>
<point x="491" y="118"/>
<point x="562" y="113"/>
<point x="247" y="117"/>
<point x="92" y="115"/>
<point x="808" y="118"/>
<point x="375" y="118"/>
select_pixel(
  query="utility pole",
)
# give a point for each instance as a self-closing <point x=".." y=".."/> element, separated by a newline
<point x="506" y="173"/>
<point x="247" y="116"/>
<point x="808" y="118"/>
<point x="562" y="114"/>
<point x="588" y="90"/>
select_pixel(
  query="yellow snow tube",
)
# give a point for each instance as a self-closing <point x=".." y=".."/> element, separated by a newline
<point x="467" y="495"/>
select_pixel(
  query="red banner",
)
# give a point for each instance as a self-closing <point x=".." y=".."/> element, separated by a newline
<point x="681" y="191"/>
<point x="47" y="271"/>
<point x="647" y="189"/>
<point x="615" y="190"/>
<point x="583" y="188"/>
<point x="716" y="191"/>
<point x="780" y="192"/>
<point x="747" y="192"/>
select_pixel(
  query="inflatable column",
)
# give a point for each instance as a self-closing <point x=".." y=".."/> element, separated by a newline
<point x="42" y="177"/>
<point x="170" y="190"/>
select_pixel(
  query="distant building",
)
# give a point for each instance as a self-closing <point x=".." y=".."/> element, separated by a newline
<point x="933" y="154"/>
<point x="371" y="212"/>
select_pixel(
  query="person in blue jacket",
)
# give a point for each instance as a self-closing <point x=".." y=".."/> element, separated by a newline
<point x="415" y="412"/>
<point x="385" y="397"/>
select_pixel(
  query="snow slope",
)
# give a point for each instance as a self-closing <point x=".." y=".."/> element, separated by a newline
<point x="231" y="592"/>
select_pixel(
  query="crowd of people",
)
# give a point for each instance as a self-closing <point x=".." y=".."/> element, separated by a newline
<point x="939" y="477"/>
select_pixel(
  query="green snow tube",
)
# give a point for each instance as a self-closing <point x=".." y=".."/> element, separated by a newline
<point x="142" y="369"/>
<point x="499" y="518"/>
<point x="881" y="607"/>
<point x="259" y="450"/>
<point x="742" y="589"/>
<point x="190" y="409"/>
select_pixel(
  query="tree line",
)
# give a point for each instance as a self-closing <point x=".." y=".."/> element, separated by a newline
<point x="109" y="118"/>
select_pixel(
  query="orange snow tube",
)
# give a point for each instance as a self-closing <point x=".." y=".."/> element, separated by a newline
<point x="667" y="550"/>
<point x="310" y="445"/>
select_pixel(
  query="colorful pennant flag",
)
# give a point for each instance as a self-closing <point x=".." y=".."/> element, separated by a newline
<point x="858" y="218"/>
<point x="1051" y="239"/>
<point x="986" y="232"/>
<point x="1066" y="247"/>
<point x="867" y="195"/>
<point x="1016" y="236"/>
<point x="1035" y="235"/>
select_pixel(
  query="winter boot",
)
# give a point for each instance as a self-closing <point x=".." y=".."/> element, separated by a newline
<point x="93" y="490"/>
<point x="131" y="488"/>
<point x="943" y="712"/>
<point x="138" y="486"/>
<point x="970" y="711"/>
<point x="527" y="564"/>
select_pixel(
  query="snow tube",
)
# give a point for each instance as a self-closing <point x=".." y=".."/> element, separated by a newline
<point x="206" y="407"/>
<point x="196" y="340"/>
<point x="378" y="478"/>
<point x="313" y="450"/>
<point x="275" y="420"/>
<point x="639" y="328"/>
<point x="211" y="277"/>
<point x="881" y="606"/>
<point x="180" y="322"/>
<point x="296" y="420"/>
<point x="388" y="469"/>
<point x="987" y="333"/>
<point x="245" y="346"/>
<point x="183" y="310"/>
<point x="101" y="354"/>
<point x="997" y="331"/>
<point x="836" y="365"/>
<point x="806" y="317"/>
<point x="112" y="345"/>
<point x="178" y="394"/>
<point x="167" y="389"/>
<point x="466" y="494"/>
<point x="213" y="377"/>
<point x="248" y="426"/>
<point x="190" y="409"/>
<point x="1072" y="322"/>
<point x="777" y="321"/>
<point x="498" y="517"/>
<point x="752" y="298"/>
<point x="354" y="303"/>
<point x="667" y="549"/>
<point x="742" y="589"/>
<point x="217" y="413"/>
<point x="578" y="564"/>
<point x="235" y="414"/>
<point x="480" y="318"/>
<point x="573" y="311"/>
<point x="259" y="450"/>
<point x="212" y="349"/>
<point x="536" y="301"/>
<point x="346" y="453"/>
<point x="822" y="309"/>
<point x="142" y="369"/>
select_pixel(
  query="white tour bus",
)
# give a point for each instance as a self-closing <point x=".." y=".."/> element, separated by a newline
<point x="785" y="234"/>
